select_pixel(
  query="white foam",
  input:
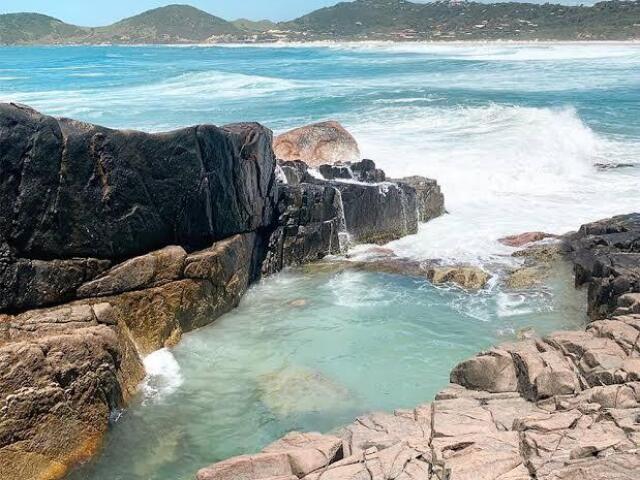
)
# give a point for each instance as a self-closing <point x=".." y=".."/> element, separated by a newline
<point x="503" y="170"/>
<point x="163" y="375"/>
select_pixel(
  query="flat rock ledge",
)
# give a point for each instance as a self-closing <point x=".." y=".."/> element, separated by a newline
<point x="562" y="407"/>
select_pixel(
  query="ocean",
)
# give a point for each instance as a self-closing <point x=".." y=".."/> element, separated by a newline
<point x="522" y="137"/>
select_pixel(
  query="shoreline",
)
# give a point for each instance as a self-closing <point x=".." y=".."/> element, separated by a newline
<point x="329" y="43"/>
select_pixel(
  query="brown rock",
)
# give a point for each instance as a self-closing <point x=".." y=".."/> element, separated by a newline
<point x="493" y="371"/>
<point x="526" y="277"/>
<point x="64" y="383"/>
<point x="525" y="238"/>
<point x="317" y="144"/>
<point x="249" y="467"/>
<point x="307" y="452"/>
<point x="469" y="277"/>
<point x="146" y="271"/>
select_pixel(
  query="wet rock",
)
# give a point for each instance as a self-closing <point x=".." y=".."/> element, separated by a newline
<point x="317" y="144"/>
<point x="337" y="171"/>
<point x="28" y="283"/>
<point x="310" y="220"/>
<point x="525" y="238"/>
<point x="147" y="271"/>
<point x="297" y="389"/>
<point x="429" y="197"/>
<point x="606" y="255"/>
<point x="295" y="171"/>
<point x="366" y="171"/>
<point x="469" y="277"/>
<point x="542" y="254"/>
<point x="48" y="383"/>
<point x="118" y="194"/>
<point x="379" y="213"/>
<point x="215" y="280"/>
<point x="526" y="277"/>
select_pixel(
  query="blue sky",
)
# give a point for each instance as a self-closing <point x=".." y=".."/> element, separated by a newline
<point x="86" y="13"/>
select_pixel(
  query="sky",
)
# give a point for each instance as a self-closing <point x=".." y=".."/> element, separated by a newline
<point x="85" y="13"/>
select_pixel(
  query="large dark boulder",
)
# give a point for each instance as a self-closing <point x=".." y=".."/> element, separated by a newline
<point x="606" y="257"/>
<point x="379" y="213"/>
<point x="71" y="189"/>
<point x="429" y="197"/>
<point x="310" y="220"/>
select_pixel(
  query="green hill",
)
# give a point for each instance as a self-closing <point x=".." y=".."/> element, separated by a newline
<point x="251" y="26"/>
<point x="170" y="24"/>
<point x="611" y="20"/>
<point x="357" y="20"/>
<point x="16" y="28"/>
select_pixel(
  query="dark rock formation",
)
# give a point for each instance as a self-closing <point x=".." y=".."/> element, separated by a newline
<point x="69" y="189"/>
<point x="429" y="197"/>
<point x="362" y="171"/>
<point x="28" y="283"/>
<point x="606" y="255"/>
<point x="310" y="221"/>
<point x="295" y="171"/>
<point x="379" y="213"/>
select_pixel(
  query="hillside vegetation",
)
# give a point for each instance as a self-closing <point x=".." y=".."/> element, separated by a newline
<point x="357" y="20"/>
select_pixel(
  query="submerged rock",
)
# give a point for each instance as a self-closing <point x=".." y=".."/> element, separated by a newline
<point x="469" y="277"/>
<point x="297" y="390"/>
<point x="526" y="277"/>
<point x="317" y="144"/>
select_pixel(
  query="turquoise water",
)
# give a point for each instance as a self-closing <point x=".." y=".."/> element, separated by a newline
<point x="512" y="133"/>
<point x="310" y="352"/>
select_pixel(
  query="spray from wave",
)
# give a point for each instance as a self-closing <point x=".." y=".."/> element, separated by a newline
<point x="163" y="376"/>
<point x="503" y="169"/>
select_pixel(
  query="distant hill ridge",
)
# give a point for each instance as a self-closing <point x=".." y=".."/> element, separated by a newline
<point x="357" y="20"/>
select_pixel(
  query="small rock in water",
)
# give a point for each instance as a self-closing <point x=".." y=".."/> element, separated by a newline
<point x="526" y="277"/>
<point x="469" y="277"/>
<point x="299" y="390"/>
<point x="525" y="238"/>
<point x="298" y="303"/>
<point x="526" y="333"/>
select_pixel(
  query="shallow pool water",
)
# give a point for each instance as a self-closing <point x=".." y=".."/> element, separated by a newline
<point x="311" y="352"/>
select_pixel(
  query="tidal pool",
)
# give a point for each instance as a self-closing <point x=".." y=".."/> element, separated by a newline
<point x="311" y="352"/>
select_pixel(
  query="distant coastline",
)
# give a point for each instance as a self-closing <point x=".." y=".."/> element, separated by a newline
<point x="357" y="21"/>
<point x="330" y="43"/>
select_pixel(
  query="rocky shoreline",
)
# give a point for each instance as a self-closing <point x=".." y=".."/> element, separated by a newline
<point x="115" y="243"/>
<point x="562" y="407"/>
